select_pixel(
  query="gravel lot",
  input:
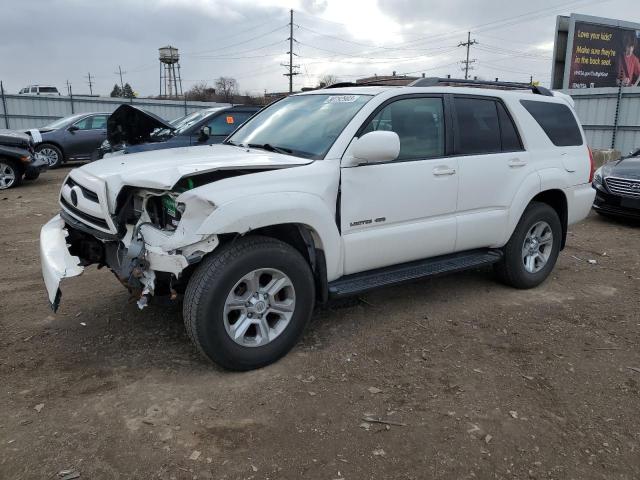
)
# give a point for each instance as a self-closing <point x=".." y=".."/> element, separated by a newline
<point x="476" y="379"/>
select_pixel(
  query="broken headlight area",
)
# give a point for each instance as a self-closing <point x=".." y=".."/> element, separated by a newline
<point x="151" y="255"/>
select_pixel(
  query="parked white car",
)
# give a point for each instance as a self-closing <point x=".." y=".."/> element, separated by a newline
<point x="44" y="90"/>
<point x="324" y="194"/>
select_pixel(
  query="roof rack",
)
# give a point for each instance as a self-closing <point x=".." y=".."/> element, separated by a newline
<point x="435" y="81"/>
<point x="371" y="83"/>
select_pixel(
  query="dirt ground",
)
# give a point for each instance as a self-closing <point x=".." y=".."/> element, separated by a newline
<point x="477" y="380"/>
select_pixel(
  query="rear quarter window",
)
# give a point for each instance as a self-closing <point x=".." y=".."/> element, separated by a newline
<point x="557" y="121"/>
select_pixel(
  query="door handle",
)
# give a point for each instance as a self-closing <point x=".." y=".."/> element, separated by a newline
<point x="440" y="171"/>
<point x="516" y="162"/>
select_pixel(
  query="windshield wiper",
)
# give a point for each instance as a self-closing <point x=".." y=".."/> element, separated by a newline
<point x="270" y="148"/>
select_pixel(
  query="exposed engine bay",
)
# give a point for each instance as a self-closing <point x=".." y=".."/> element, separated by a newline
<point x="149" y="255"/>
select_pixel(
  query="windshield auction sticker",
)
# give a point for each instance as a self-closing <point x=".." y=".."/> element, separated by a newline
<point x="341" y="99"/>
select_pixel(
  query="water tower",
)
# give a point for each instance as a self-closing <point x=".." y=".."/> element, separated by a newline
<point x="170" y="81"/>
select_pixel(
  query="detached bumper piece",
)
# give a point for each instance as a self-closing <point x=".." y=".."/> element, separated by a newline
<point x="57" y="263"/>
<point x="616" y="205"/>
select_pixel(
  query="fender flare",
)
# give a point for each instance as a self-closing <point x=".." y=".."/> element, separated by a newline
<point x="251" y="212"/>
<point x="528" y="189"/>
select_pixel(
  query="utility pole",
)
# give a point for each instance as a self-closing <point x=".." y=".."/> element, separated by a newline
<point x="90" y="83"/>
<point x="120" y="72"/>
<point x="467" y="62"/>
<point x="291" y="66"/>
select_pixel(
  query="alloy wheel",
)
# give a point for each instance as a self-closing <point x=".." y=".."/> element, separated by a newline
<point x="259" y="307"/>
<point x="7" y="175"/>
<point x="537" y="247"/>
<point x="50" y="155"/>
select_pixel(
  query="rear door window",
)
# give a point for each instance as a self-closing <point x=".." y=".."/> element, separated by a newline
<point x="478" y="127"/>
<point x="557" y="121"/>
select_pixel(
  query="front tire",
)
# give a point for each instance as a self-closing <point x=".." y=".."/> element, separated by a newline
<point x="51" y="153"/>
<point x="248" y="304"/>
<point x="10" y="174"/>
<point x="532" y="250"/>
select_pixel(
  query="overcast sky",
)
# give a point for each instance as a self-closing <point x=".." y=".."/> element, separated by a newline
<point x="52" y="41"/>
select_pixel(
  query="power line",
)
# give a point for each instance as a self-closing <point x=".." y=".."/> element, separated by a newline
<point x="467" y="62"/>
<point x="120" y="72"/>
<point x="90" y="83"/>
<point x="239" y="43"/>
<point x="290" y="66"/>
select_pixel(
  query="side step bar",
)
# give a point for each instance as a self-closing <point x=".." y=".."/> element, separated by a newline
<point x="407" y="272"/>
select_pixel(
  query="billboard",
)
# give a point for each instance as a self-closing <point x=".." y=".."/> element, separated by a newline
<point x="594" y="52"/>
<point x="604" y="56"/>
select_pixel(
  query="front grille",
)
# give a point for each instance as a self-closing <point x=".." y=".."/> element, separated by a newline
<point x="88" y="194"/>
<point x="85" y="216"/>
<point x="624" y="187"/>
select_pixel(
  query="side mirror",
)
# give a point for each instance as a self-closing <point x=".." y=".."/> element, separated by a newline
<point x="375" y="147"/>
<point x="73" y="128"/>
<point x="205" y="132"/>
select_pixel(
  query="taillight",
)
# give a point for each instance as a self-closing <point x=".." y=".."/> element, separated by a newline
<point x="593" y="165"/>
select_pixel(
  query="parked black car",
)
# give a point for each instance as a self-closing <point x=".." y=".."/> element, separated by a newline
<point x="131" y="129"/>
<point x="70" y="138"/>
<point x="18" y="160"/>
<point x="617" y="187"/>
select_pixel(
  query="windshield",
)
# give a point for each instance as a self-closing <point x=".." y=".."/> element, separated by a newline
<point x="303" y="125"/>
<point x="192" y="119"/>
<point x="63" y="121"/>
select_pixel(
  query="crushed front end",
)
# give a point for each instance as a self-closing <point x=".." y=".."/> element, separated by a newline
<point x="146" y="237"/>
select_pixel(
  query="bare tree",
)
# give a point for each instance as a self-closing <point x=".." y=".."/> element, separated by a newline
<point x="327" y="79"/>
<point x="227" y="87"/>
<point x="201" y="92"/>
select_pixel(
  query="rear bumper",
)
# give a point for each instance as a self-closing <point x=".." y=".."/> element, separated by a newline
<point x="579" y="201"/>
<point x="56" y="261"/>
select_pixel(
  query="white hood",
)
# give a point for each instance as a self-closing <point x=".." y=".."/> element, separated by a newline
<point x="161" y="169"/>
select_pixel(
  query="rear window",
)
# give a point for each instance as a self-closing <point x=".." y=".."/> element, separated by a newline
<point x="556" y="120"/>
<point x="48" y="90"/>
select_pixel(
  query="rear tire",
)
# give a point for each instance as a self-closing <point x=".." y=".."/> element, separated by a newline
<point x="10" y="174"/>
<point x="52" y="153"/>
<point x="248" y="304"/>
<point x="532" y="250"/>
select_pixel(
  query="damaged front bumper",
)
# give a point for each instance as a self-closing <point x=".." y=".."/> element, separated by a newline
<point x="145" y="259"/>
<point x="56" y="261"/>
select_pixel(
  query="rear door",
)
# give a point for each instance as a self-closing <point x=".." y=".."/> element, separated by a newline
<point x="493" y="165"/>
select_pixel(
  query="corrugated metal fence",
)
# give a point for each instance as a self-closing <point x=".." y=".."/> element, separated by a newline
<point x="18" y="112"/>
<point x="609" y="112"/>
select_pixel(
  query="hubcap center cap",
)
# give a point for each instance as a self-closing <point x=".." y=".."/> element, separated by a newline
<point x="260" y="307"/>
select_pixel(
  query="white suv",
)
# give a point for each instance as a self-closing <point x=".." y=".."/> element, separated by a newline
<point x="324" y="194"/>
<point x="45" y="90"/>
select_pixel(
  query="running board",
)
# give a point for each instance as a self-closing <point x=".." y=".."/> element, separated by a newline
<point x="407" y="272"/>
